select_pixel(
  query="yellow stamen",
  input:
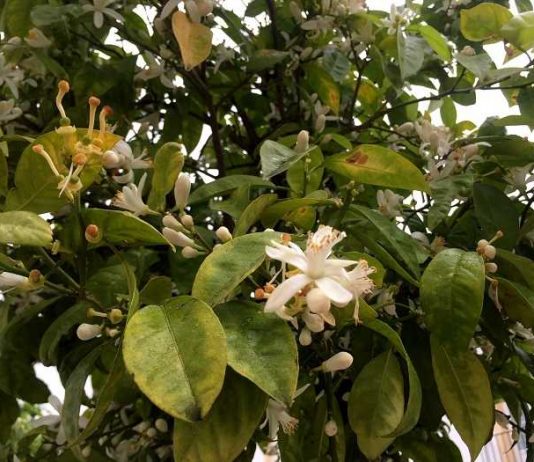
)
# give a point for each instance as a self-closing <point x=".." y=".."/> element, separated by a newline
<point x="38" y="149"/>
<point x="104" y="113"/>
<point x="63" y="89"/>
<point x="94" y="102"/>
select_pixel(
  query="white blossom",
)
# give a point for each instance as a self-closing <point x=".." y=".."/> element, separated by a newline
<point x="338" y="362"/>
<point x="154" y="70"/>
<point x="100" y="8"/>
<point x="8" y="111"/>
<point x="131" y="198"/>
<point x="10" y="76"/>
<point x="182" y="188"/>
<point x="389" y="203"/>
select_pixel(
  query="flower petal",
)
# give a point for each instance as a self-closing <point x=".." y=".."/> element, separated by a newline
<point x="287" y="255"/>
<point x="334" y="291"/>
<point x="285" y="291"/>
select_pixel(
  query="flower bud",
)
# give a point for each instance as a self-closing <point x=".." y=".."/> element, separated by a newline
<point x="178" y="238"/>
<point x="317" y="301"/>
<point x="338" y="362"/>
<point x="151" y="432"/>
<point x="320" y="123"/>
<point x="182" y="188"/>
<point x="420" y="237"/>
<point x="303" y="141"/>
<point x="111" y="159"/>
<point x="86" y="452"/>
<point x="171" y="222"/>
<point x="88" y="331"/>
<point x="187" y="221"/>
<point x="93" y="234"/>
<point x="330" y="428"/>
<point x="161" y="425"/>
<point x="112" y="333"/>
<point x="190" y="252"/>
<point x="490" y="252"/>
<point x="491" y="267"/>
<point x="468" y="51"/>
<point x="406" y="128"/>
<point x="223" y="234"/>
<point x="115" y="316"/>
<point x="305" y="337"/>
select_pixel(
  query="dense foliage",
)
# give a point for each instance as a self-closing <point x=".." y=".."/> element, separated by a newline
<point x="269" y="228"/>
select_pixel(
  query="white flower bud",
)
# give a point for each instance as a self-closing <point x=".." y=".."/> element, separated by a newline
<point x="111" y="159"/>
<point x="182" y="188"/>
<point x="170" y="221"/>
<point x="192" y="10"/>
<point x="490" y="252"/>
<point x="305" y="337"/>
<point x="330" y="428"/>
<point x="151" y="432"/>
<point x="303" y="140"/>
<point x="338" y="362"/>
<point x="88" y="331"/>
<point x="491" y="267"/>
<point x="468" y="51"/>
<point x="9" y="280"/>
<point x="161" y="425"/>
<point x="223" y="234"/>
<point x="190" y="252"/>
<point x="187" y="221"/>
<point x="320" y="123"/>
<point x="317" y="301"/>
<point x="178" y="238"/>
<point x="86" y="452"/>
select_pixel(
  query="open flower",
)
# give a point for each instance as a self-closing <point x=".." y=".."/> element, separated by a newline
<point x="100" y="8"/>
<point x="8" y="111"/>
<point x="10" y="76"/>
<point x="154" y="70"/>
<point x="389" y="203"/>
<point x="131" y="199"/>
<point x="316" y="267"/>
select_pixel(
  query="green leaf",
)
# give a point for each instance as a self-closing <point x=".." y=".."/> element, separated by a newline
<point x="413" y="408"/>
<point x="253" y="213"/>
<point x="74" y="392"/>
<point x="271" y="365"/>
<point x="168" y="164"/>
<point x="480" y="65"/>
<point x="306" y="175"/>
<point x="484" y="22"/>
<point x="266" y="59"/>
<point x="379" y="166"/>
<point x="227" y="428"/>
<point x="411" y="53"/>
<point x="168" y="364"/>
<point x="24" y="228"/>
<point x="525" y="100"/>
<point x="225" y="185"/>
<point x="9" y="412"/>
<point x="194" y="40"/>
<point x="64" y="323"/>
<point x="435" y="40"/>
<point x="496" y="211"/>
<point x="3" y="175"/>
<point x="277" y="158"/>
<point x="465" y="392"/>
<point x="519" y="31"/>
<point x="376" y="401"/>
<point x="393" y="247"/>
<point x="444" y="191"/>
<point x="109" y="283"/>
<point x="156" y="291"/>
<point x="279" y="210"/>
<point x="431" y="450"/>
<point x="228" y="265"/>
<point x="123" y="228"/>
<point x="448" y="112"/>
<point x="518" y="301"/>
<point x="516" y="268"/>
<point x="452" y="293"/>
<point x="16" y="17"/>
<point x="321" y="82"/>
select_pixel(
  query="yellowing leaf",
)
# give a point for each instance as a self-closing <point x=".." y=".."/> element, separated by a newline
<point x="194" y="40"/>
<point x="484" y="21"/>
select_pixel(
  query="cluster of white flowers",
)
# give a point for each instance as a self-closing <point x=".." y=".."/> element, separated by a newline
<point x="316" y="282"/>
